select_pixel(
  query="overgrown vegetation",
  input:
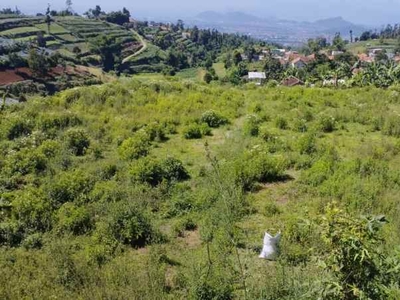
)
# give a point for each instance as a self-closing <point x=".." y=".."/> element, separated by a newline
<point x="163" y="188"/>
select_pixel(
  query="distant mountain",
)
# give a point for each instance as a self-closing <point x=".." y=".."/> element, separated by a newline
<point x="272" y="29"/>
<point x="337" y="24"/>
<point x="230" y="17"/>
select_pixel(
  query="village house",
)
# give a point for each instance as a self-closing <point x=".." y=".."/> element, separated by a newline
<point x="257" y="77"/>
<point x="292" y="81"/>
<point x="299" y="63"/>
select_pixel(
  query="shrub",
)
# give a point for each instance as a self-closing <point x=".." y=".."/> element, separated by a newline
<point x="326" y="124"/>
<point x="155" y="132"/>
<point x="135" y="147"/>
<point x="185" y="224"/>
<point x="251" y="126"/>
<point x="300" y="125"/>
<point x="147" y="170"/>
<point x="73" y="219"/>
<point x="355" y="259"/>
<point x="196" y="131"/>
<point x="307" y="144"/>
<point x="281" y="123"/>
<point x="26" y="162"/>
<point x="391" y="126"/>
<point x="69" y="187"/>
<point x="153" y="172"/>
<point x="77" y="141"/>
<point x="213" y="119"/>
<point x="18" y="127"/>
<point x="173" y="170"/>
<point x="130" y="225"/>
<point x="32" y="211"/>
<point x="255" y="167"/>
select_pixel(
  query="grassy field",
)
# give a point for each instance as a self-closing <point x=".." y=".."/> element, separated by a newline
<point x="17" y="32"/>
<point x="362" y="47"/>
<point x="219" y="69"/>
<point x="54" y="28"/>
<point x="162" y="188"/>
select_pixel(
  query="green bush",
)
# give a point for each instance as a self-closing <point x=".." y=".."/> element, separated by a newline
<point x="25" y="162"/>
<point x="213" y="119"/>
<point x="307" y="144"/>
<point x="136" y="146"/>
<point x="251" y="125"/>
<point x="281" y="123"/>
<point x="153" y="172"/>
<point x="326" y="124"/>
<point x="72" y="219"/>
<point x="253" y="167"/>
<point x="130" y="225"/>
<point x="18" y="127"/>
<point x="69" y="187"/>
<point x="77" y="141"/>
<point x="156" y="132"/>
<point x="391" y="126"/>
<point x="185" y="224"/>
<point x="196" y="131"/>
<point x="32" y="211"/>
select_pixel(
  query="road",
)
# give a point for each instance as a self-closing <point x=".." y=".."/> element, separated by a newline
<point x="141" y="50"/>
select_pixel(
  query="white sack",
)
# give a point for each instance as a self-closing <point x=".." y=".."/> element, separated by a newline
<point x="270" y="248"/>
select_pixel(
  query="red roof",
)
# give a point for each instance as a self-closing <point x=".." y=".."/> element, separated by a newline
<point x="292" y="81"/>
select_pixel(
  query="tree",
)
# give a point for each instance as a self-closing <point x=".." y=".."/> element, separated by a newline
<point x="273" y="68"/>
<point x="48" y="18"/>
<point x="207" y="77"/>
<point x="126" y="12"/>
<point x="94" y="13"/>
<point x="338" y="43"/>
<point x="108" y="49"/>
<point x="118" y="17"/>
<point x="180" y="25"/>
<point x="237" y="58"/>
<point x="68" y="4"/>
<point x="37" y="62"/>
<point x="41" y="41"/>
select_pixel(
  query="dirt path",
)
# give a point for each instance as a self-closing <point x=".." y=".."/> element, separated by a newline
<point x="141" y="50"/>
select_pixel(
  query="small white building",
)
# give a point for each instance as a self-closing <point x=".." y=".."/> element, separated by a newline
<point x="257" y="77"/>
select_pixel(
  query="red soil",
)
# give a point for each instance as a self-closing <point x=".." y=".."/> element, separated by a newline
<point x="9" y="76"/>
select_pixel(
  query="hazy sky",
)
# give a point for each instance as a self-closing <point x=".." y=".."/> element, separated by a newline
<point x="369" y="12"/>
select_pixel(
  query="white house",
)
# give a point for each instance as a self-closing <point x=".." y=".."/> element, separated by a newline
<point x="257" y="77"/>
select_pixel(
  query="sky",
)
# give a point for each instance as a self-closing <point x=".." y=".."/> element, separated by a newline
<point x="367" y="12"/>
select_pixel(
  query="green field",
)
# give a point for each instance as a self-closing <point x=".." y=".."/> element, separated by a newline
<point x="54" y="28"/>
<point x="20" y="32"/>
<point x="162" y="188"/>
<point x="361" y="47"/>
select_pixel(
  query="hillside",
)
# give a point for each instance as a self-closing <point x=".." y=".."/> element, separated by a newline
<point x="163" y="189"/>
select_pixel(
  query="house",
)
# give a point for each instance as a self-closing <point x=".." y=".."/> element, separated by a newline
<point x="336" y="53"/>
<point x="244" y="56"/>
<point x="278" y="52"/>
<point x="257" y="77"/>
<point x="292" y="81"/>
<point x="299" y="63"/>
<point x="186" y="35"/>
<point x="149" y="37"/>
<point x="365" y="58"/>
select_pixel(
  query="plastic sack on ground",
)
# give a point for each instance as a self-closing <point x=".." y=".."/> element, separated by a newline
<point x="270" y="249"/>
